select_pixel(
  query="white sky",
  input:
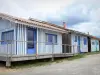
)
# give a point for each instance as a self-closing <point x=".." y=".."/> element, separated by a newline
<point x="35" y="8"/>
<point x="57" y="10"/>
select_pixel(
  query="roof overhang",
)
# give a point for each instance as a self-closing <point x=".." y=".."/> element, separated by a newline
<point x="36" y="24"/>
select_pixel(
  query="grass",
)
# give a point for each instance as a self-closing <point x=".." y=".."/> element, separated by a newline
<point x="43" y="62"/>
<point x="31" y="63"/>
<point x="82" y="55"/>
<point x="76" y="57"/>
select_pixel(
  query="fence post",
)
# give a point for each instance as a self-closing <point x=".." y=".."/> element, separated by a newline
<point x="52" y="59"/>
<point x="73" y="49"/>
<point x="36" y="49"/>
<point x="11" y="48"/>
<point x="8" y="61"/>
<point x="64" y="48"/>
<point x="68" y="48"/>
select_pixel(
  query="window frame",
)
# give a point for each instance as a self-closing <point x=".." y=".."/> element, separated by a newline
<point x="97" y="43"/>
<point x="93" y="43"/>
<point x="3" y="42"/>
<point x="30" y="43"/>
<point x="85" y="41"/>
<point x="75" y="38"/>
<point x="52" y="40"/>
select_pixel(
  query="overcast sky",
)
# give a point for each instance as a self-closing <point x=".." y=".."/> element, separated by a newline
<point x="81" y="15"/>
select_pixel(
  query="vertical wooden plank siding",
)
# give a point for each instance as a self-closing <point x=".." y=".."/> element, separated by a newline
<point x="18" y="44"/>
<point x="21" y="40"/>
<point x="4" y="27"/>
<point x="83" y="48"/>
<point x="75" y="44"/>
<point x="95" y="46"/>
<point x="15" y="37"/>
<point x="25" y="43"/>
<point x="43" y="48"/>
<point x="37" y="42"/>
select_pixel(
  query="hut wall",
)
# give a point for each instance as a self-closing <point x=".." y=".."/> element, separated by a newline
<point x="83" y="47"/>
<point x="44" y="48"/>
<point x="5" y="47"/>
<point x="94" y="45"/>
<point x="66" y="41"/>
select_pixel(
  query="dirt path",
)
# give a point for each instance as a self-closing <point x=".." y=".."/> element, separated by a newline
<point x="90" y="65"/>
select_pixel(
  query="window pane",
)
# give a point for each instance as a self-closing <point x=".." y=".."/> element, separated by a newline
<point x="30" y="38"/>
<point x="30" y="35"/>
<point x="85" y="41"/>
<point x="75" y="38"/>
<point x="97" y="43"/>
<point x="92" y="43"/>
<point x="7" y="36"/>
<point x="54" y="38"/>
<point x="51" y="38"/>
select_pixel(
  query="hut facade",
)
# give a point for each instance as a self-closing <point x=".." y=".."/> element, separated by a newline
<point x="94" y="44"/>
<point x="23" y="39"/>
<point x="77" y="40"/>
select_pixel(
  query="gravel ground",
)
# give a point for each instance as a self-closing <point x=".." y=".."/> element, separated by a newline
<point x="90" y="65"/>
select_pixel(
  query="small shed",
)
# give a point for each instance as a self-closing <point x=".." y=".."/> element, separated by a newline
<point x="77" y="40"/>
<point x="95" y="45"/>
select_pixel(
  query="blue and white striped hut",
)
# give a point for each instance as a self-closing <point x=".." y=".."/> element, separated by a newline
<point x="23" y="39"/>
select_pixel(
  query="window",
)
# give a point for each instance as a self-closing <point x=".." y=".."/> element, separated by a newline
<point x="30" y="38"/>
<point x="7" y="36"/>
<point x="75" y="38"/>
<point x="51" y="39"/>
<point x="97" y="43"/>
<point x="93" y="43"/>
<point x="85" y="41"/>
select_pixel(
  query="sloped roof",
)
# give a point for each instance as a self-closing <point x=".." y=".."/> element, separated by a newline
<point x="34" y="22"/>
<point x="39" y="23"/>
<point x="81" y="33"/>
<point x="77" y="32"/>
<point x="94" y="37"/>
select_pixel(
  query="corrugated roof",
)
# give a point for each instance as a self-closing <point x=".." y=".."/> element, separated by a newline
<point x="32" y="22"/>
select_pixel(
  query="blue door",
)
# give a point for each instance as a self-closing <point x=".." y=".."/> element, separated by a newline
<point x="31" y="38"/>
<point x="79" y="44"/>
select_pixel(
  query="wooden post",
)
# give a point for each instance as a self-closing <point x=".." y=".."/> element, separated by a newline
<point x="8" y="63"/>
<point x="52" y="59"/>
<point x="37" y="43"/>
<point x="73" y="49"/>
<point x="8" y="60"/>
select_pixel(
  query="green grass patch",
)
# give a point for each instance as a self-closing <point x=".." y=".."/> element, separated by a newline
<point x="76" y="57"/>
<point x="31" y="63"/>
<point x="91" y="53"/>
<point x="44" y="62"/>
<point x="82" y="55"/>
